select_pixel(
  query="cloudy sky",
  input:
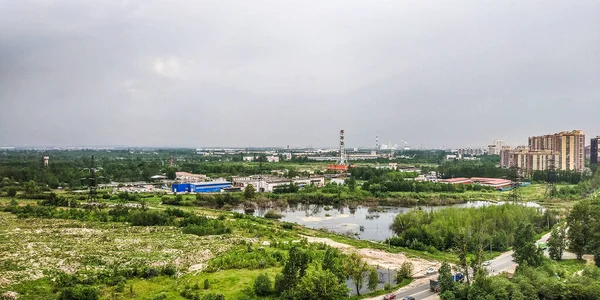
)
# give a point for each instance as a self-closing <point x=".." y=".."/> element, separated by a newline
<point x="282" y="72"/>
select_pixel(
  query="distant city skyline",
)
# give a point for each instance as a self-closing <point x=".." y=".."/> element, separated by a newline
<point x="276" y="73"/>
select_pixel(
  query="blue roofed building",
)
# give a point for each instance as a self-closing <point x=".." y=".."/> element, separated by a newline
<point x="200" y="187"/>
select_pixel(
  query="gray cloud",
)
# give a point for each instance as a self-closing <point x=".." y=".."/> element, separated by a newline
<point x="257" y="73"/>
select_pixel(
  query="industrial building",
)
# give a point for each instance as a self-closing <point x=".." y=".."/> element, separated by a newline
<point x="189" y="177"/>
<point x="266" y="183"/>
<point x="496" y="183"/>
<point x="201" y="187"/>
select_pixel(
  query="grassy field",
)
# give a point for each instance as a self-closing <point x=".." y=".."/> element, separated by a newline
<point x="231" y="283"/>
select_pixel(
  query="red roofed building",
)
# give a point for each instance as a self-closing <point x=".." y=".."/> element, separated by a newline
<point x="460" y="180"/>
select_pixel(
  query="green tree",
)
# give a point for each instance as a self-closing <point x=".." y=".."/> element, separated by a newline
<point x="356" y="268"/>
<point x="462" y="251"/>
<point x="525" y="250"/>
<point x="477" y="262"/>
<point x="351" y="182"/>
<point x="579" y="228"/>
<point x="445" y="278"/>
<point x="31" y="187"/>
<point x="447" y="295"/>
<point x="373" y="279"/>
<point x="293" y="270"/>
<point x="262" y="285"/>
<point x="171" y="174"/>
<point x="405" y="272"/>
<point x="321" y="284"/>
<point x="333" y="261"/>
<point x="206" y="284"/>
<point x="557" y="244"/>
<point x="249" y="192"/>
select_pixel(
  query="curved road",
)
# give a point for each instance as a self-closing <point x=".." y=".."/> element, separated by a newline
<point x="502" y="263"/>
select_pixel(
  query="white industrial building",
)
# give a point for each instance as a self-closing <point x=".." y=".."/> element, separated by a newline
<point x="266" y="183"/>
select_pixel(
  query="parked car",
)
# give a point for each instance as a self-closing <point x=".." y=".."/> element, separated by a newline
<point x="389" y="297"/>
<point x="430" y="270"/>
<point x="408" y="298"/>
<point x="486" y="263"/>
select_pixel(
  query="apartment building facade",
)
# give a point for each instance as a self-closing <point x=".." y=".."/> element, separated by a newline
<point x="594" y="150"/>
<point x="565" y="150"/>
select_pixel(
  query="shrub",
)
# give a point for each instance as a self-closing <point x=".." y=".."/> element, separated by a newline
<point x="147" y="218"/>
<point x="11" y="192"/>
<point x="169" y="270"/>
<point x="406" y="271"/>
<point x="79" y="292"/>
<point x="206" y="284"/>
<point x="262" y="285"/>
<point x="387" y="286"/>
<point x="272" y="214"/>
<point x="213" y="297"/>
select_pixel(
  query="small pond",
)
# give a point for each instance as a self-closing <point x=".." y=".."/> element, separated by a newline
<point x="362" y="221"/>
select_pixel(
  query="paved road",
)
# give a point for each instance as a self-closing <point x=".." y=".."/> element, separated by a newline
<point x="502" y="263"/>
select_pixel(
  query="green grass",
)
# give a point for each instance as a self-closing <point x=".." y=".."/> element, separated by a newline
<point x="231" y="283"/>
<point x="438" y="255"/>
<point x="570" y="266"/>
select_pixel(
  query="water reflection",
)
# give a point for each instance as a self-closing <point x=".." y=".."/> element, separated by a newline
<point x="364" y="222"/>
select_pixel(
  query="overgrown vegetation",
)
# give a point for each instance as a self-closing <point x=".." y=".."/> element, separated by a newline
<point x="491" y="227"/>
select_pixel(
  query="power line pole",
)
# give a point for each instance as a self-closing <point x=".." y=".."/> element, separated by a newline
<point x="92" y="183"/>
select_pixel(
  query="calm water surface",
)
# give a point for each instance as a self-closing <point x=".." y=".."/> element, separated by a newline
<point x="363" y="222"/>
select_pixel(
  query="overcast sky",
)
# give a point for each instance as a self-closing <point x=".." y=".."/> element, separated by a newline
<point x="281" y="72"/>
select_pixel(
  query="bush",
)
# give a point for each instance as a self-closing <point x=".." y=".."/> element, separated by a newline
<point x="262" y="285"/>
<point x="387" y="286"/>
<point x="406" y="271"/>
<point x="206" y="284"/>
<point x="213" y="297"/>
<point x="169" y="270"/>
<point x="11" y="192"/>
<point x="79" y="292"/>
<point x="147" y="218"/>
<point x="272" y="214"/>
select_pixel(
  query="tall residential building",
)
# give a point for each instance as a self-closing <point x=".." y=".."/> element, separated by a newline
<point x="570" y="146"/>
<point x="505" y="157"/>
<point x="529" y="161"/>
<point x="594" y="150"/>
<point x="566" y="149"/>
<point x="496" y="147"/>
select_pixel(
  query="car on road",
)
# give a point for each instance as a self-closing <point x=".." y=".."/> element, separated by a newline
<point x="430" y="270"/>
<point x="389" y="297"/>
<point x="486" y="263"/>
<point x="408" y="298"/>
